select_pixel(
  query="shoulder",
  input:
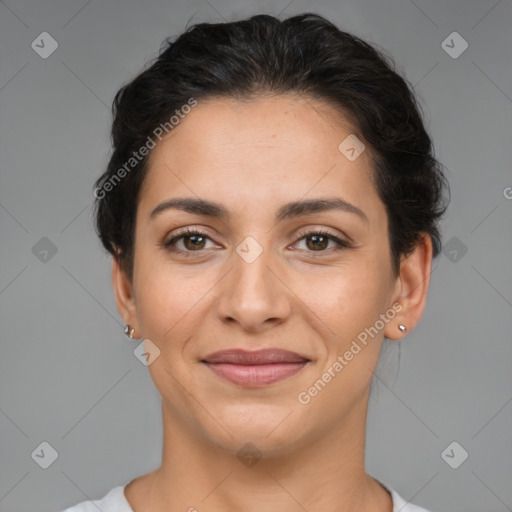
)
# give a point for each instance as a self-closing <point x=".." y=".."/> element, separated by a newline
<point x="400" y="505"/>
<point x="113" y="501"/>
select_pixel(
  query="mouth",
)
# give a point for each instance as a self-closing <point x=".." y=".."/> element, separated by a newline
<point x="255" y="368"/>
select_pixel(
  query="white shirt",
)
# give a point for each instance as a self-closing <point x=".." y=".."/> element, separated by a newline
<point x="115" y="501"/>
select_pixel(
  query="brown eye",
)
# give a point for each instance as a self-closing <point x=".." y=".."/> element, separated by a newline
<point x="193" y="242"/>
<point x="317" y="242"/>
<point x="187" y="241"/>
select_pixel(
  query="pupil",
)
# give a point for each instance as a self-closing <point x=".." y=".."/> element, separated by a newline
<point x="194" y="244"/>
<point x="316" y="238"/>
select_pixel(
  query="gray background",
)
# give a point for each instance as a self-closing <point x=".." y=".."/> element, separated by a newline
<point x="68" y="375"/>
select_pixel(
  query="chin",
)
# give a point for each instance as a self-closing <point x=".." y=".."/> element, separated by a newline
<point x="269" y="428"/>
<point x="255" y="445"/>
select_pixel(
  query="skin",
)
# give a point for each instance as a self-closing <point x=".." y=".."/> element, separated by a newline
<point x="252" y="157"/>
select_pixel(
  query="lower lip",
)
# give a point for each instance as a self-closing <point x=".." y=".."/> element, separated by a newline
<point x="255" y="375"/>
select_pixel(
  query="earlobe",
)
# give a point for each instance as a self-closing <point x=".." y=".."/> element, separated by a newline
<point x="415" y="270"/>
<point x="123" y="291"/>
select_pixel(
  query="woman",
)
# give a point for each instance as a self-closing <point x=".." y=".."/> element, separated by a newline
<point x="272" y="207"/>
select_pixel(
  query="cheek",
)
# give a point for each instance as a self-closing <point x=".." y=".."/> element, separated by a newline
<point x="356" y="303"/>
<point x="170" y="300"/>
<point x="353" y="296"/>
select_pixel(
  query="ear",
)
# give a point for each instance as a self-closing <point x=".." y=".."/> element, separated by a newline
<point x="415" y="270"/>
<point x="124" y="295"/>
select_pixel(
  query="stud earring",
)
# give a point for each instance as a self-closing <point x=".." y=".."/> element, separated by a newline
<point x="402" y="327"/>
<point x="129" y="330"/>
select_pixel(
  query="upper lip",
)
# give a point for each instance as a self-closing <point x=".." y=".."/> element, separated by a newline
<point x="254" y="357"/>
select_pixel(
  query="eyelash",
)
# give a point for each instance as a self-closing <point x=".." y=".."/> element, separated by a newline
<point x="342" y="245"/>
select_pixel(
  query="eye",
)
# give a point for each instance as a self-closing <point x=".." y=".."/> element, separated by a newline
<point x="192" y="240"/>
<point x="318" y="241"/>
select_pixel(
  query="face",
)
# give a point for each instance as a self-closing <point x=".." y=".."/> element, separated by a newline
<point x="264" y="274"/>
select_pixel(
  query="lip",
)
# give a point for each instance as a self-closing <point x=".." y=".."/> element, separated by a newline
<point x="255" y="357"/>
<point x="255" y="368"/>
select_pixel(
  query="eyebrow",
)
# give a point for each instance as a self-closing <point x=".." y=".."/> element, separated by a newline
<point x="287" y="211"/>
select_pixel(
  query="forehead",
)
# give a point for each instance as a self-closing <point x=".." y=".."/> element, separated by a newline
<point x="275" y="148"/>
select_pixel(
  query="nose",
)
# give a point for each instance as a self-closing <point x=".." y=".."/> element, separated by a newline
<point x="253" y="294"/>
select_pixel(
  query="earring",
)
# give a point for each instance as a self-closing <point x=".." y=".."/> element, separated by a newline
<point x="129" y="330"/>
<point x="402" y="327"/>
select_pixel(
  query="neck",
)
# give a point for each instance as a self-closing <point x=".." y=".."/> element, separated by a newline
<point x="324" y="473"/>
